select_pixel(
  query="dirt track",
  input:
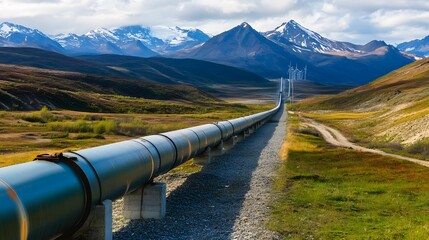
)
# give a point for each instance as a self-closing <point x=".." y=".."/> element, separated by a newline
<point x="335" y="138"/>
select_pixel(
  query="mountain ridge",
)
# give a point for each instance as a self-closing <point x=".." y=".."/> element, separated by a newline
<point x="419" y="47"/>
<point x="244" y="47"/>
<point x="14" y="35"/>
<point x="267" y="54"/>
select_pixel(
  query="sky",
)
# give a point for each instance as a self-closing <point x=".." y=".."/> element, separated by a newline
<point x="393" y="21"/>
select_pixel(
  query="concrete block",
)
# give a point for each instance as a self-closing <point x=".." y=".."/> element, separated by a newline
<point x="204" y="158"/>
<point x="146" y="202"/>
<point x="100" y="226"/>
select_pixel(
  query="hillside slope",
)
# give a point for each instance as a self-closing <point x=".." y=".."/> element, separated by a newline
<point x="178" y="71"/>
<point x="394" y="109"/>
<point x="162" y="70"/>
<point x="404" y="86"/>
<point x="26" y="88"/>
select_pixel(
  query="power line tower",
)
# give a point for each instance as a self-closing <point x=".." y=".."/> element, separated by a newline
<point x="305" y="72"/>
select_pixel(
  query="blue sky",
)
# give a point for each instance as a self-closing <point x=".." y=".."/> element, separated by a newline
<point x="360" y="21"/>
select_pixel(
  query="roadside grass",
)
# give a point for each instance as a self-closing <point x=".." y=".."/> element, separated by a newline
<point x="323" y="192"/>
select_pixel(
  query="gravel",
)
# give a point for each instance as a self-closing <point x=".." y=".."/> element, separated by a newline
<point x="228" y="199"/>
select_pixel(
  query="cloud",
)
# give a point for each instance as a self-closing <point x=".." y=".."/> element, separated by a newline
<point x="356" y="21"/>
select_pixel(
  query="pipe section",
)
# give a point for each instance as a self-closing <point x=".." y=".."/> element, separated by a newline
<point x="53" y="196"/>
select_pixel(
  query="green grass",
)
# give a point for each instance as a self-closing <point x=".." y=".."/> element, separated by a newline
<point x="188" y="167"/>
<point x="334" y="193"/>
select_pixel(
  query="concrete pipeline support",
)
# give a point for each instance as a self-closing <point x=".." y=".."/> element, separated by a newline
<point x="53" y="196"/>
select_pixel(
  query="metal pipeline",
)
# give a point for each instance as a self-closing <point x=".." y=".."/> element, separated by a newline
<point x="53" y="196"/>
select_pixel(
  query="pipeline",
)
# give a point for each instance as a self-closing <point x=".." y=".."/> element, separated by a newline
<point x="52" y="197"/>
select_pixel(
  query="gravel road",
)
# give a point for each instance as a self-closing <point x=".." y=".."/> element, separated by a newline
<point x="228" y="199"/>
<point x="335" y="138"/>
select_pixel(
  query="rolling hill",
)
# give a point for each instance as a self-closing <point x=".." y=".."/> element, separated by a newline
<point x="392" y="109"/>
<point x="163" y="70"/>
<point x="178" y="71"/>
<point x="28" y="88"/>
<point x="33" y="57"/>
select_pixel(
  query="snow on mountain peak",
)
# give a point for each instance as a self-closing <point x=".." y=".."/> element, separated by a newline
<point x="101" y="32"/>
<point x="301" y="37"/>
<point x="7" y="28"/>
<point x="281" y="28"/>
<point x="244" y="25"/>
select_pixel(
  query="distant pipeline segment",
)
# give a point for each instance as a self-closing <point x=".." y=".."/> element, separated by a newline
<point x="52" y="197"/>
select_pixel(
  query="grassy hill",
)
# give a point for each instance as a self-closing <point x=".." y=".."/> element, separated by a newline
<point x="39" y="58"/>
<point x="391" y="112"/>
<point x="190" y="72"/>
<point x="27" y="88"/>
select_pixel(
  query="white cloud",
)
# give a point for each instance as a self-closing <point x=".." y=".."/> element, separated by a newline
<point x="358" y="21"/>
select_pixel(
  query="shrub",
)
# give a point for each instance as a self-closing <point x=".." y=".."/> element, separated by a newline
<point x="308" y="131"/>
<point x="32" y="118"/>
<point x="395" y="146"/>
<point x="93" y="118"/>
<point x="134" y="127"/>
<point x="88" y="136"/>
<point x="108" y="126"/>
<point x="420" y="147"/>
<point x="58" y="135"/>
<point x="78" y="127"/>
<point x="45" y="114"/>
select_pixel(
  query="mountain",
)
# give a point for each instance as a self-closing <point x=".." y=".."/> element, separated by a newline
<point x="327" y="61"/>
<point x="160" y="38"/>
<point x="102" y="41"/>
<point x="162" y="70"/>
<point x="419" y="47"/>
<point x="128" y="40"/>
<point x="243" y="47"/>
<point x="294" y="35"/>
<point x="132" y="40"/>
<point x="299" y="38"/>
<point x="13" y="35"/>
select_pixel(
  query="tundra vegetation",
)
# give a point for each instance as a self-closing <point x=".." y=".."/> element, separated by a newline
<point x="23" y="135"/>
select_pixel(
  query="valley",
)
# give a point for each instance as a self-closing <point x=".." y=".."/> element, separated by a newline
<point x="346" y="156"/>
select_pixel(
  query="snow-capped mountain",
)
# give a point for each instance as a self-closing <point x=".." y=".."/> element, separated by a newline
<point x="419" y="47"/>
<point x="162" y="39"/>
<point x="327" y="61"/>
<point x="102" y="41"/>
<point x="14" y="35"/>
<point x="132" y="40"/>
<point x="137" y="33"/>
<point x="294" y="35"/>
